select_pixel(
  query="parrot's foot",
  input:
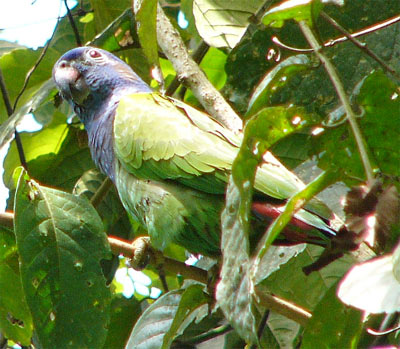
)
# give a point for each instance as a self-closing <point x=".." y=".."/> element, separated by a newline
<point x="142" y="253"/>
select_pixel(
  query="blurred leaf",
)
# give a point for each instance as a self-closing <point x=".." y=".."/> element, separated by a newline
<point x="106" y="11"/>
<point x="119" y="34"/>
<point x="7" y="46"/>
<point x="291" y="283"/>
<point x="167" y="317"/>
<point x="38" y="99"/>
<point x="146" y="17"/>
<point x="124" y="313"/>
<point x="60" y="241"/>
<point x="284" y="330"/>
<point x="380" y="125"/>
<point x="340" y="327"/>
<point x="222" y="23"/>
<point x="373" y="286"/>
<point x="15" y="318"/>
<point x="36" y="144"/>
<point x="292" y="9"/>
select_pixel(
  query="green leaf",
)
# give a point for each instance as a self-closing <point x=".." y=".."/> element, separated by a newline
<point x="379" y="123"/>
<point x="340" y="327"/>
<point x="291" y="283"/>
<point x="61" y="242"/>
<point x="119" y="34"/>
<point x="146" y="17"/>
<point x="192" y="298"/>
<point x="273" y="80"/>
<point x="167" y="317"/>
<point x="303" y="10"/>
<point x="124" y="314"/>
<point x="36" y="144"/>
<point x="233" y="293"/>
<point x="15" y="318"/>
<point x="223" y="23"/>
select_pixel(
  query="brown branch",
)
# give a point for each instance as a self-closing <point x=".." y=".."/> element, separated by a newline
<point x="7" y="219"/>
<point x="197" y="56"/>
<point x="281" y="306"/>
<point x="128" y="250"/>
<point x="264" y="298"/>
<point x="191" y="75"/>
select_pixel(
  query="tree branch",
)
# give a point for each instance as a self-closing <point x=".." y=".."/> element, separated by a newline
<point x="333" y="75"/>
<point x="264" y="298"/>
<point x="128" y="250"/>
<point x="189" y="72"/>
<point x="281" y="306"/>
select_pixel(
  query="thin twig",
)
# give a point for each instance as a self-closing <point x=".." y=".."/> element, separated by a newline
<point x="4" y="93"/>
<point x="73" y="25"/>
<point x="340" y="39"/>
<point x="101" y="192"/>
<point x="281" y="306"/>
<point x="32" y="70"/>
<point x="333" y="75"/>
<point x="360" y="45"/>
<point x="10" y="110"/>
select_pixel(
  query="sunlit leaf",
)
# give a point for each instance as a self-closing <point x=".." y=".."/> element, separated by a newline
<point x="299" y="10"/>
<point x="222" y="23"/>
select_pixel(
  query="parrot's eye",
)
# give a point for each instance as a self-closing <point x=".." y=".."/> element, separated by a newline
<point x="63" y="64"/>
<point x="94" y="54"/>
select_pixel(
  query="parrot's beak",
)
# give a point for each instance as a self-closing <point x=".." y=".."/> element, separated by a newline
<point x="70" y="82"/>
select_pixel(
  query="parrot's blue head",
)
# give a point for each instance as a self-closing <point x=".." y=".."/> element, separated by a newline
<point x="88" y="77"/>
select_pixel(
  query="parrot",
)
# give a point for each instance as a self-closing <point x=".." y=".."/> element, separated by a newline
<point x="169" y="161"/>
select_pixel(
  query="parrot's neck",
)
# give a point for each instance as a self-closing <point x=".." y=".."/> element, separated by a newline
<point x="98" y="122"/>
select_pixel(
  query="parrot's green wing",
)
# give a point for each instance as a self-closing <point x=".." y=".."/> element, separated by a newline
<point x="162" y="138"/>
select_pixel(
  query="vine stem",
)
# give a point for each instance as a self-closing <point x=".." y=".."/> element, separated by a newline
<point x="334" y="77"/>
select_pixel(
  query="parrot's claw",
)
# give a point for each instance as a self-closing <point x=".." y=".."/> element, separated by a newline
<point x="142" y="253"/>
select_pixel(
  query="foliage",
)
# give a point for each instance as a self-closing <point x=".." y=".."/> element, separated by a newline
<point x="55" y="260"/>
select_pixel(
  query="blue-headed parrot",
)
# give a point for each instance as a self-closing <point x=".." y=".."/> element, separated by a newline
<point x="169" y="162"/>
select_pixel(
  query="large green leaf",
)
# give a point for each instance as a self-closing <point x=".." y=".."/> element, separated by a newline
<point x="124" y="313"/>
<point x="15" y="318"/>
<point x="61" y="242"/>
<point x="340" y="327"/>
<point x="380" y="125"/>
<point x="166" y="318"/>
